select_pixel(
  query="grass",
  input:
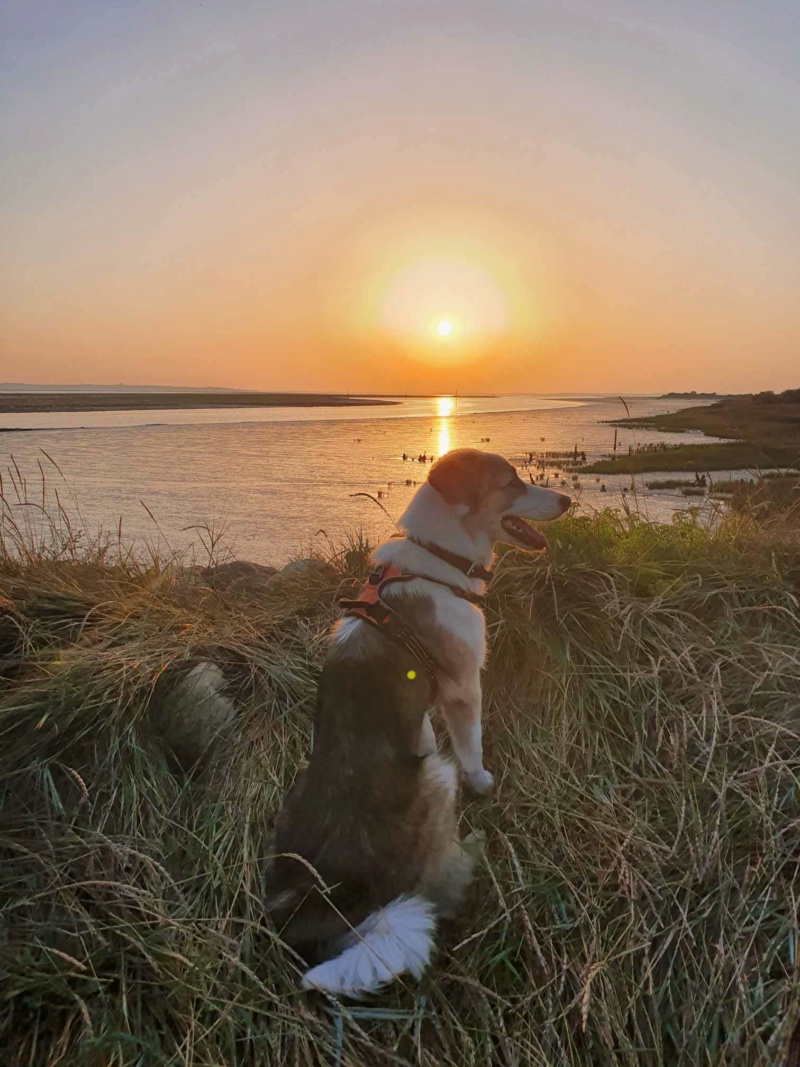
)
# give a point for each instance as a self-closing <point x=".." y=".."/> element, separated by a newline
<point x="767" y="497"/>
<point x="764" y="431"/>
<point x="725" y="456"/>
<point x="637" y="904"/>
<point x="762" y="418"/>
<point x="670" y="483"/>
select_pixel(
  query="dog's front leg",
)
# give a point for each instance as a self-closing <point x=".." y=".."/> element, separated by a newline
<point x="461" y="707"/>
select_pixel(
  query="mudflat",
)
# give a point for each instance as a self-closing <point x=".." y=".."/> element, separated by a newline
<point x="26" y="403"/>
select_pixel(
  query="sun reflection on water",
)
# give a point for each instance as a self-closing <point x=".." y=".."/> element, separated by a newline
<point x="445" y="406"/>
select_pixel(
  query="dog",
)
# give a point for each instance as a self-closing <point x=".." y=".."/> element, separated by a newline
<point x="367" y="856"/>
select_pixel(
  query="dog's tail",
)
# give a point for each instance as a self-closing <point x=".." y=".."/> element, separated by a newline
<point x="388" y="943"/>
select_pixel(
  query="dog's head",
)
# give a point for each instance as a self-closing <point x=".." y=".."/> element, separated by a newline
<point x="490" y="497"/>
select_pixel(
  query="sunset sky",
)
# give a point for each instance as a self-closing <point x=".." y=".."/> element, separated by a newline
<point x="401" y="195"/>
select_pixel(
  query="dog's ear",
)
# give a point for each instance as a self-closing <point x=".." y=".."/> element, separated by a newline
<point x="459" y="477"/>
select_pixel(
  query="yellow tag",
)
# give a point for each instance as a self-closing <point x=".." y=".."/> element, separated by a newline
<point x="411" y="675"/>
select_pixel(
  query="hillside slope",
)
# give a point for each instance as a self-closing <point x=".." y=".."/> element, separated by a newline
<point x="637" y="900"/>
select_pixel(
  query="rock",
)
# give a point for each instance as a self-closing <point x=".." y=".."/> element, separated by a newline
<point x="239" y="576"/>
<point x="307" y="568"/>
<point x="301" y="574"/>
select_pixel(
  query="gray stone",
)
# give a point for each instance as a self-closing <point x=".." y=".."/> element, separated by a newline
<point x="307" y="568"/>
<point x="239" y="576"/>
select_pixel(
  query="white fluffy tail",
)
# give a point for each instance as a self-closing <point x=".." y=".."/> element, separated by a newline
<point x="391" y="941"/>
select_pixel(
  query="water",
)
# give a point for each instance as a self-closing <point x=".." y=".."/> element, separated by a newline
<point x="400" y="408"/>
<point x="280" y="480"/>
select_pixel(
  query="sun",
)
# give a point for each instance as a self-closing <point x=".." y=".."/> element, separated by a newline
<point x="445" y="299"/>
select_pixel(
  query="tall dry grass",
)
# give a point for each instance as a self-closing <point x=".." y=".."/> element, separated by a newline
<point x="637" y="902"/>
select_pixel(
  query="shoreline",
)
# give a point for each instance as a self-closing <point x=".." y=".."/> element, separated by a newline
<point x="753" y="431"/>
<point x="45" y="403"/>
<point x="356" y="415"/>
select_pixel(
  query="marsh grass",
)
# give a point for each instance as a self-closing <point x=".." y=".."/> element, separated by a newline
<point x="637" y="902"/>
<point x="760" y="431"/>
<point x="768" y="497"/>
<point x="670" y="483"/>
<point x="727" y="456"/>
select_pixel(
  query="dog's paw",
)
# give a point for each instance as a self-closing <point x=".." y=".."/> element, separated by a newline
<point x="480" y="782"/>
<point x="474" y="844"/>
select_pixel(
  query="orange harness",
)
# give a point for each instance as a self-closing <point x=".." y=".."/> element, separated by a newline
<point x="370" y="606"/>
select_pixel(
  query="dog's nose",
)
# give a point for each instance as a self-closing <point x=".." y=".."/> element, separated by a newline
<point x="564" y="502"/>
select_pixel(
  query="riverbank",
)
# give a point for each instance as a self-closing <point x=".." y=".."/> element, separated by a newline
<point x="230" y="468"/>
<point x="29" y="403"/>
<point x="763" y="431"/>
<point x="727" y="456"/>
<point x="635" y="898"/>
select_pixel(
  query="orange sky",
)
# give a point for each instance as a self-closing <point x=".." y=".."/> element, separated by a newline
<point x="290" y="197"/>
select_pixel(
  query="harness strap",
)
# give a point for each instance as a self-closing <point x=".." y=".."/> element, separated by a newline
<point x="372" y="608"/>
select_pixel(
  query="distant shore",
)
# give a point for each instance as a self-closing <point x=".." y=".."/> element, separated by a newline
<point x="758" y="431"/>
<point x="31" y="403"/>
<point x="693" y="395"/>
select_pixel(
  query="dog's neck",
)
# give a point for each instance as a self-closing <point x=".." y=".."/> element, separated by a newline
<point x="428" y="519"/>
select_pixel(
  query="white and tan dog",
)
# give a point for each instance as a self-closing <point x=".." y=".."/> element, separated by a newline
<point x="366" y="837"/>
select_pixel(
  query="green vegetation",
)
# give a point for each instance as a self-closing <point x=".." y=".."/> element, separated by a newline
<point x="765" y="418"/>
<point x="729" y="486"/>
<point x="738" y="455"/>
<point x="637" y="900"/>
<point x="670" y="483"/>
<point x="765" y="497"/>
<point x="765" y="429"/>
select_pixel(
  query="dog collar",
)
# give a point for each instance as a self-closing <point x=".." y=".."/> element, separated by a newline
<point x="468" y="567"/>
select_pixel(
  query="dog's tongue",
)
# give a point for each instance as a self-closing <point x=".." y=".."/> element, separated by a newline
<point x="524" y="533"/>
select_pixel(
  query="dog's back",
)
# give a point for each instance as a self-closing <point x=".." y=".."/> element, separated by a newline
<point x="356" y="830"/>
